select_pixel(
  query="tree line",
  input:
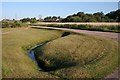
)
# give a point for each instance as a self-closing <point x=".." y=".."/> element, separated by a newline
<point x="31" y="20"/>
<point x="113" y="16"/>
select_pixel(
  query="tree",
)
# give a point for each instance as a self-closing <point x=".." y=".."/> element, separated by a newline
<point x="83" y="17"/>
<point x="54" y="18"/>
<point x="76" y="19"/>
<point x="33" y="20"/>
<point x="114" y="15"/>
<point x="48" y="19"/>
<point x="80" y="14"/>
<point x="58" y="17"/>
<point x="99" y="16"/>
<point x="25" y="20"/>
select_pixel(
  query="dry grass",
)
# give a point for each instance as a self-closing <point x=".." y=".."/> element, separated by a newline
<point x="16" y="62"/>
<point x="80" y="56"/>
<point x="104" y="28"/>
<point x="73" y="56"/>
<point x="0" y="53"/>
<point x="88" y="23"/>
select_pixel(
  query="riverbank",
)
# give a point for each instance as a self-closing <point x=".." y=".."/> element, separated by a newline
<point x="53" y="61"/>
<point x="15" y="47"/>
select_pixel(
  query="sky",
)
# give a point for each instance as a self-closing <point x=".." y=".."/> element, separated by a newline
<point x="18" y="10"/>
<point x="59" y="0"/>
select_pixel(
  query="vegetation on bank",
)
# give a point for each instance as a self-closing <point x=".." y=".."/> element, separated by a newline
<point x="112" y="28"/>
<point x="78" y="56"/>
<point x="15" y="47"/>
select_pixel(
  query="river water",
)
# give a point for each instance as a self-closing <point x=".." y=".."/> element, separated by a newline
<point x="32" y="53"/>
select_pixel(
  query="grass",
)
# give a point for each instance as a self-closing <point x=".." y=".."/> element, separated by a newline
<point x="69" y="56"/>
<point x="105" y="28"/>
<point x="15" y="47"/>
<point x="0" y="54"/>
<point x="79" y="56"/>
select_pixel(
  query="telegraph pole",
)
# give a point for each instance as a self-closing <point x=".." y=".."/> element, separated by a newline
<point x="40" y="17"/>
<point x="15" y="16"/>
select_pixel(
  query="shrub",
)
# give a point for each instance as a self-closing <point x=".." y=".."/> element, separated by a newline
<point x="13" y="24"/>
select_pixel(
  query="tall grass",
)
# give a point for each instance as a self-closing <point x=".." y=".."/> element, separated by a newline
<point x="79" y="56"/>
<point x="110" y="28"/>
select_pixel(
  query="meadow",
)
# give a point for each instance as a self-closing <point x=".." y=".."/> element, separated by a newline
<point x="15" y="47"/>
<point x="70" y="56"/>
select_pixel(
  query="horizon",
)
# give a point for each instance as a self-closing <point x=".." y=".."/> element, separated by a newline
<point x="19" y="10"/>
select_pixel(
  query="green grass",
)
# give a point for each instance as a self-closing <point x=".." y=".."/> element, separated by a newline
<point x="15" y="47"/>
<point x="115" y="28"/>
<point x="79" y="56"/>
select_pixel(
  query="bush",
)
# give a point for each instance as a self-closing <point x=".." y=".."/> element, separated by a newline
<point x="13" y="24"/>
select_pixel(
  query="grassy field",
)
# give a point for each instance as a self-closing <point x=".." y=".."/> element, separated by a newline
<point x="72" y="56"/>
<point x="15" y="47"/>
<point x="79" y="56"/>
